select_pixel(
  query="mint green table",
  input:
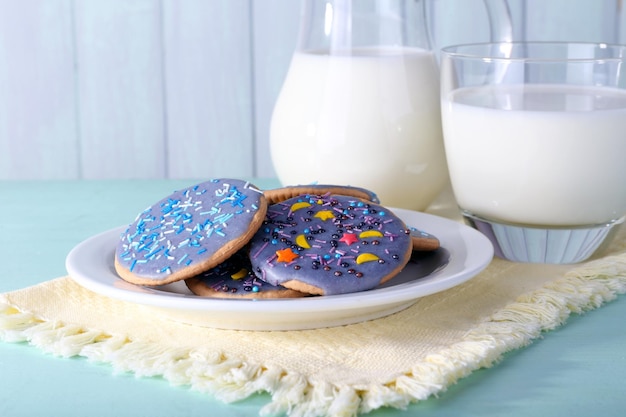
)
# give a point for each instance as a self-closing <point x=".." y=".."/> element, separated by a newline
<point x="577" y="370"/>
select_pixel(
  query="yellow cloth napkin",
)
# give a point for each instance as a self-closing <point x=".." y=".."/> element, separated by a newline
<point x="402" y="358"/>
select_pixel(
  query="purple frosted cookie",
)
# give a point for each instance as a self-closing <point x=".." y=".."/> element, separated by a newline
<point x="423" y="241"/>
<point x="234" y="278"/>
<point x="329" y="244"/>
<point x="281" y="194"/>
<point x="189" y="231"/>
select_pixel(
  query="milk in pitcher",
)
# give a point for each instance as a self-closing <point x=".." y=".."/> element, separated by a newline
<point x="367" y="118"/>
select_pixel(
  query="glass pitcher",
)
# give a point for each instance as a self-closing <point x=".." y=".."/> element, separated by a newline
<point x="360" y="104"/>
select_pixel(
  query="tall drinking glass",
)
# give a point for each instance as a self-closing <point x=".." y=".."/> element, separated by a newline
<point x="535" y="140"/>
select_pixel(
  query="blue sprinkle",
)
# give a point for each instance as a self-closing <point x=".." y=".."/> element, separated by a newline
<point x="201" y="251"/>
<point x="153" y="253"/>
<point x="182" y="258"/>
<point x="223" y="218"/>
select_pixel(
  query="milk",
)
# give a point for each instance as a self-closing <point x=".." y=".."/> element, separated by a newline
<point x="548" y="155"/>
<point x="370" y="119"/>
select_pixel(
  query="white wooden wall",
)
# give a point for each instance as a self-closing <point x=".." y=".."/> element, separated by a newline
<point x="184" y="88"/>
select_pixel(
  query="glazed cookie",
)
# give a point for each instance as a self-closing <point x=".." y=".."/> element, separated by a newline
<point x="423" y="241"/>
<point x="234" y="278"/>
<point x="329" y="244"/>
<point x="281" y="194"/>
<point x="189" y="231"/>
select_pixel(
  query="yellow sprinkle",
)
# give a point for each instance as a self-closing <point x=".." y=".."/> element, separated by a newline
<point x="302" y="242"/>
<point x="325" y="215"/>
<point x="242" y="273"/>
<point x="370" y="233"/>
<point x="366" y="257"/>
<point x="299" y="205"/>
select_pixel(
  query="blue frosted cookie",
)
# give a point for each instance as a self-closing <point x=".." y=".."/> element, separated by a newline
<point x="189" y="231"/>
<point x="329" y="244"/>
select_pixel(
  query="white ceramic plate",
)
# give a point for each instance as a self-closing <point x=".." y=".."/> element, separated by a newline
<point x="465" y="252"/>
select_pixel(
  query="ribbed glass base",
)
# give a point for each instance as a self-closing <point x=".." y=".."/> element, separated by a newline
<point x="549" y="245"/>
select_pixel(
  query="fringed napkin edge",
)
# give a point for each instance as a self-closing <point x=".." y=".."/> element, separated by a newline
<point x="230" y="379"/>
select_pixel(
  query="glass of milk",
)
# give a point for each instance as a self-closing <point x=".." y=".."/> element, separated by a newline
<point x="535" y="140"/>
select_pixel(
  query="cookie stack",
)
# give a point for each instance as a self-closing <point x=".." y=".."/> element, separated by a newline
<point x="227" y="238"/>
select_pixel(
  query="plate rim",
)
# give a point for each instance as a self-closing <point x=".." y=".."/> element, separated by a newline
<point x="481" y="255"/>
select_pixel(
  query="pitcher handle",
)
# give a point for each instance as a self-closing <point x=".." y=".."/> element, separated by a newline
<point x="500" y="20"/>
<point x="499" y="17"/>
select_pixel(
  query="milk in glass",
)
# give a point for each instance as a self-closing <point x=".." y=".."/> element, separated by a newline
<point x="367" y="118"/>
<point x="538" y="154"/>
